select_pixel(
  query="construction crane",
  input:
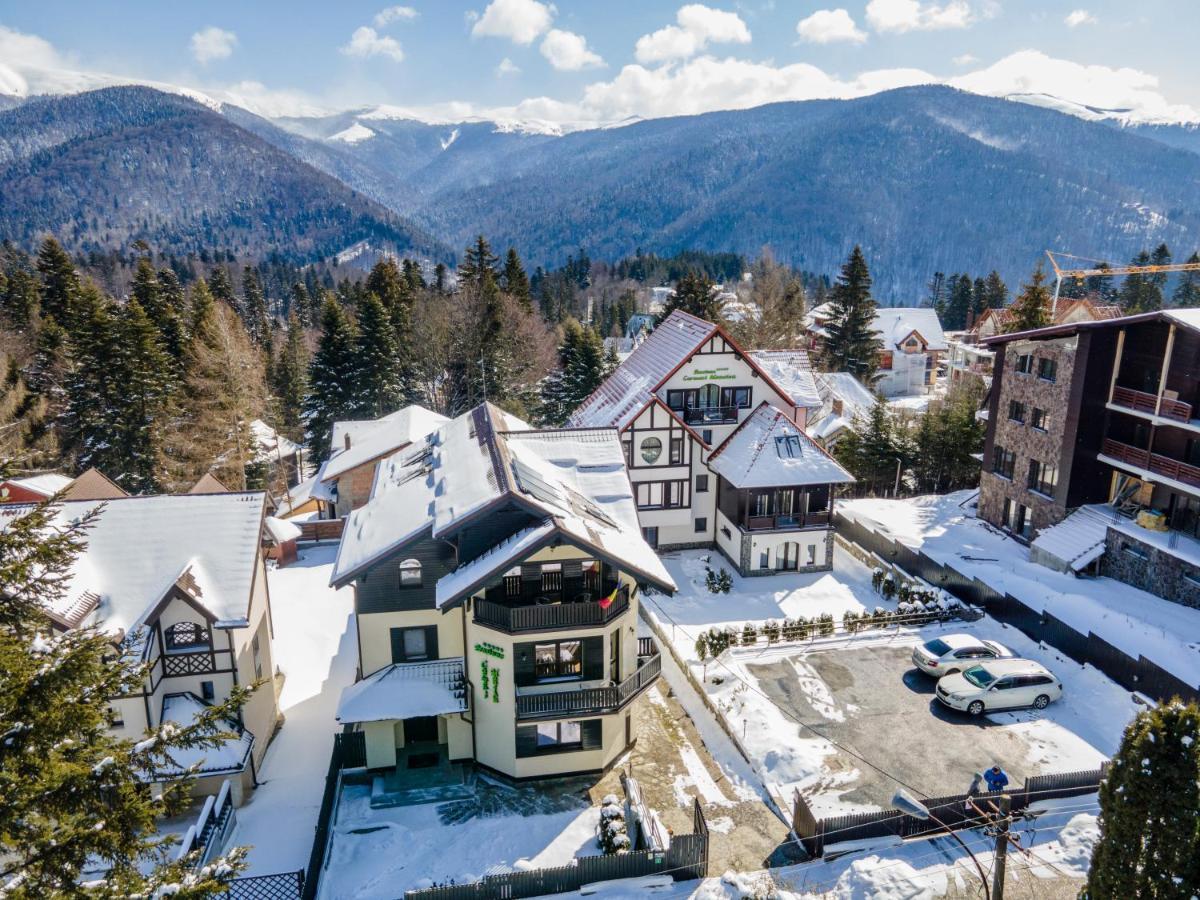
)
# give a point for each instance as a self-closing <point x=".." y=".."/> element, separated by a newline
<point x="1105" y="269"/>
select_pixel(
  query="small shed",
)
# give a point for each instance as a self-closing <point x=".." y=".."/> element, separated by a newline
<point x="279" y="539"/>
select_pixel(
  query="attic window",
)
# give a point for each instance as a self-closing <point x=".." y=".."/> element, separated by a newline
<point x="788" y="446"/>
<point x="410" y="573"/>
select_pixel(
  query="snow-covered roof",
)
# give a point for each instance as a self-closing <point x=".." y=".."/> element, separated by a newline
<point x="856" y="402"/>
<point x="281" y="530"/>
<point x="47" y="485"/>
<point x="467" y="578"/>
<point x="404" y="690"/>
<point x="269" y="444"/>
<point x="892" y="323"/>
<point x="1187" y="317"/>
<point x="230" y="756"/>
<point x="792" y="371"/>
<point x="574" y="478"/>
<point x="372" y="439"/>
<point x="137" y="548"/>
<point x="1078" y="540"/>
<point x="770" y="450"/>
<point x="297" y="495"/>
<point x="628" y="389"/>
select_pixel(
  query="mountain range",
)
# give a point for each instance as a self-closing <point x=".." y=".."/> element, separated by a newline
<point x="926" y="179"/>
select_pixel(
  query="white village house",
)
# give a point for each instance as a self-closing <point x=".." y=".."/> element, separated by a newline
<point x="496" y="572"/>
<point x="913" y="344"/>
<point x="689" y="395"/>
<point x="180" y="580"/>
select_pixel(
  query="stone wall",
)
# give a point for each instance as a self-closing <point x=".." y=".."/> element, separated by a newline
<point x="1153" y="570"/>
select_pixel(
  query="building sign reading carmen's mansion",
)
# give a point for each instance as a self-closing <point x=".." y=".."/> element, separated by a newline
<point x="721" y="373"/>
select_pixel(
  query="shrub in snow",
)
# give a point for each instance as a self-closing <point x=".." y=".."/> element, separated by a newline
<point x="718" y="582"/>
<point x="888" y="588"/>
<point x="612" y="834"/>
<point x="877" y="579"/>
<point x="702" y="647"/>
<point x="752" y="885"/>
<point x="771" y="631"/>
<point x="825" y="624"/>
<point x="852" y="621"/>
<point x="904" y="591"/>
<point x="749" y="634"/>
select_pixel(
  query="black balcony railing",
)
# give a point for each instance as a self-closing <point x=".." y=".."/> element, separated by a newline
<point x="710" y="415"/>
<point x="519" y="616"/>
<point x="782" y="523"/>
<point x="176" y="664"/>
<point x="595" y="701"/>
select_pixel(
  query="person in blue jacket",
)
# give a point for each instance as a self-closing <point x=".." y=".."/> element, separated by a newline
<point x="995" y="778"/>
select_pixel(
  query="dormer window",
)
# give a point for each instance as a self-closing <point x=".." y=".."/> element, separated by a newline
<point x="185" y="636"/>
<point x="788" y="446"/>
<point x="410" y="573"/>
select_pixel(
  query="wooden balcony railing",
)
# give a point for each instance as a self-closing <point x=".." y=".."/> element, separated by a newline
<point x="1153" y="462"/>
<point x="1148" y="403"/>
<point x="782" y="523"/>
<point x="534" y="617"/>
<point x="176" y="664"/>
<point x="594" y="701"/>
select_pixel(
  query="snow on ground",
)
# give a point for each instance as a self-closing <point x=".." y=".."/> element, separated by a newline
<point x="314" y="646"/>
<point x="944" y="528"/>
<point x="377" y="854"/>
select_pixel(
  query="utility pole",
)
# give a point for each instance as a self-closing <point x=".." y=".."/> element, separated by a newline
<point x="1005" y="804"/>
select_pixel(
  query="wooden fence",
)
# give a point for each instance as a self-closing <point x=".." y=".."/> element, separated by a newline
<point x="952" y="812"/>
<point x="685" y="859"/>
<point x="1134" y="674"/>
<point x="321" y="529"/>
<point x="349" y="752"/>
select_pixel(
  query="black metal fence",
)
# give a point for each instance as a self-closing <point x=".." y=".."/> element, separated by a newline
<point x="349" y="752"/>
<point x="954" y="812"/>
<point x="281" y="886"/>
<point x="685" y="859"/>
<point x="1140" y="674"/>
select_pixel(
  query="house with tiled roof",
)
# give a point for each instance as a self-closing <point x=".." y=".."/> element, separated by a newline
<point x="682" y="394"/>
<point x="912" y="346"/>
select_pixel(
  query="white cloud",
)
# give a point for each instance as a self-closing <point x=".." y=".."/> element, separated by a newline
<point x="212" y="43"/>
<point x="367" y="42"/>
<point x="568" y="52"/>
<point x="965" y="60"/>
<point x="386" y="17"/>
<point x="1078" y="17"/>
<point x="521" y="21"/>
<point x="697" y="27"/>
<point x="911" y="15"/>
<point x="828" y="26"/>
<point x="507" y="67"/>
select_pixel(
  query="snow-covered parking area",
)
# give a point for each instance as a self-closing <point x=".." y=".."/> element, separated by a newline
<point x="843" y="719"/>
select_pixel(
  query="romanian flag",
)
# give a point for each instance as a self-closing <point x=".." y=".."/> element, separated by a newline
<point x="606" y="602"/>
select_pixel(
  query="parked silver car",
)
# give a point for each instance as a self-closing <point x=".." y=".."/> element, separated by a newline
<point x="955" y="652"/>
<point x="999" y="684"/>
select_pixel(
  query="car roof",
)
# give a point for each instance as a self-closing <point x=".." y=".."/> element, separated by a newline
<point x="957" y="641"/>
<point x="1015" y="667"/>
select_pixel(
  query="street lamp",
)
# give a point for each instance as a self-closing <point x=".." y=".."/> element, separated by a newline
<point x="910" y="805"/>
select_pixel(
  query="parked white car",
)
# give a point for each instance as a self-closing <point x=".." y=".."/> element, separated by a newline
<point x="955" y="652"/>
<point x="999" y="684"/>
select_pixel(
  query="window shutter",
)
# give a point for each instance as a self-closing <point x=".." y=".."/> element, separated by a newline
<point x="397" y="635"/>
<point x="592" y="733"/>
<point x="593" y="658"/>
<point x="431" y="646"/>
<point x="523" y="664"/>
<point x="526" y="741"/>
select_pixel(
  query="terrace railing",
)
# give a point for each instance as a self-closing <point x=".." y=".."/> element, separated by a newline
<point x="594" y="701"/>
<point x="1148" y="403"/>
<point x="548" y="617"/>
<point x="1154" y="462"/>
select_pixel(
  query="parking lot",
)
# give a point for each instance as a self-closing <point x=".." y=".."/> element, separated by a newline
<point x="867" y="696"/>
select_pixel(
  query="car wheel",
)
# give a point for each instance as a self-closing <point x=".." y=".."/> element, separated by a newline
<point x="1041" y="702"/>
<point x="976" y="708"/>
<point x="953" y="671"/>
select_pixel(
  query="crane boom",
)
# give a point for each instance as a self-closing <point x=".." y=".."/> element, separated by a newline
<point x="1060" y="273"/>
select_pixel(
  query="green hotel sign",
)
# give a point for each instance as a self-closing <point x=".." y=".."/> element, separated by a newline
<point x="490" y="650"/>
<point x="721" y="373"/>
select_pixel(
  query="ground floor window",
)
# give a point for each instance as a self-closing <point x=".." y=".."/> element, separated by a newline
<point x="787" y="557"/>
<point x="559" y="737"/>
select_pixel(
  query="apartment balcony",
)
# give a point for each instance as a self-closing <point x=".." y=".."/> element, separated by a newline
<point x="1152" y="462"/>
<point x="787" y="523"/>
<point x="547" y="612"/>
<point x="1142" y="402"/>
<point x="595" y="701"/>
<point x="178" y="664"/>
<point x="710" y="415"/>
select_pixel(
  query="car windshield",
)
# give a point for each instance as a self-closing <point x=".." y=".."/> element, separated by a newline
<point x="979" y="676"/>
<point x="938" y="647"/>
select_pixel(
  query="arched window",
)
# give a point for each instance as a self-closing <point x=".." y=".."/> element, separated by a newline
<point x="651" y="449"/>
<point x="185" y="635"/>
<point x="410" y="573"/>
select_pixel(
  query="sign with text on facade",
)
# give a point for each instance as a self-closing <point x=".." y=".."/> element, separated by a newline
<point x="489" y="649"/>
<point x="720" y="373"/>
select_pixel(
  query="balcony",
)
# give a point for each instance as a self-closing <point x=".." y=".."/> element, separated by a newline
<point x="177" y="664"/>
<point x="1152" y="462"/>
<point x="595" y="701"/>
<point x="549" y="612"/>
<point x="710" y="415"/>
<point x="787" y="523"/>
<point x="1142" y="402"/>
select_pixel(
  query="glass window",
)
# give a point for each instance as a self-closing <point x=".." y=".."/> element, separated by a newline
<point x="1039" y="419"/>
<point x="1047" y="369"/>
<point x="1016" y="411"/>
<point x="706" y="436"/>
<point x="675" y="399"/>
<point x="650" y="535"/>
<point x="788" y="446"/>
<point x="701" y="484"/>
<point x="676" y="451"/>
<point x="627" y="448"/>
<point x="741" y="397"/>
<point x="207" y="692"/>
<point x="1003" y="461"/>
<point x="885" y="360"/>
<point x="812" y="554"/>
<point x="764" y="559"/>
<point x="978" y="676"/>
<point x="551" y="735"/>
<point x="558" y="659"/>
<point x="415" y="646"/>
<point x="410" y="573"/>
<point x="651" y="449"/>
<point x="701" y="525"/>
<point x="1025" y="363"/>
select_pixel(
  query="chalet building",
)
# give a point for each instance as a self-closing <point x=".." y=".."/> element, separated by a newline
<point x="497" y="572"/>
<point x="684" y="394"/>
<point x="1069" y="312"/>
<point x="91" y="485"/>
<point x="179" y="580"/>
<point x="1093" y="448"/>
<point x="913" y="345"/>
<point x="356" y="448"/>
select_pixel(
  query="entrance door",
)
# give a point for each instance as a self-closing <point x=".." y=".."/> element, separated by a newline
<point x="420" y="730"/>
<point x="614" y="656"/>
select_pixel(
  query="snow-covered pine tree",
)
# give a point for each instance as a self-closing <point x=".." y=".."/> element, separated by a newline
<point x="60" y="283"/>
<point x="515" y="281"/>
<point x="851" y="344"/>
<point x="1149" y="842"/>
<point x="254" y="306"/>
<point x="73" y="793"/>
<point x="478" y="267"/>
<point x="146" y="381"/>
<point x="291" y="379"/>
<point x="330" y="378"/>
<point x="1031" y="309"/>
<point x="695" y="294"/>
<point x="22" y="302"/>
<point x="222" y="288"/>
<point x="1187" y="291"/>
<point x="376" y="378"/>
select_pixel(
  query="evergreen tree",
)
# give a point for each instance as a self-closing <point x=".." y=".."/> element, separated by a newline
<point x="331" y="389"/>
<point x="870" y="451"/>
<point x="439" y="278"/>
<point x="1139" y="291"/>
<point x="254" y="307"/>
<point x="478" y="269"/>
<point x="159" y="302"/>
<point x="22" y="303"/>
<point x="958" y="305"/>
<point x="376" y="377"/>
<point x="301" y="304"/>
<point x="1031" y="309"/>
<point x="60" y="283"/>
<point x="582" y="368"/>
<point x="851" y="344"/>
<point x="222" y="287"/>
<point x="413" y="277"/>
<point x="995" y="292"/>
<point x="74" y="797"/>
<point x="1187" y="291"/>
<point x="978" y="302"/>
<point x="145" y="386"/>
<point x="695" y="294"/>
<point x="1149" y="842"/>
<point x="291" y="380"/>
<point x="515" y="281"/>
<point x="936" y="297"/>
<point x="1101" y="286"/>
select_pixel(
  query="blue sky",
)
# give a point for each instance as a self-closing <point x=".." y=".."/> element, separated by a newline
<point x="585" y="62"/>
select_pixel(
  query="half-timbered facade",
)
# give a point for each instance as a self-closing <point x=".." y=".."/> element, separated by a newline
<point x="679" y="396"/>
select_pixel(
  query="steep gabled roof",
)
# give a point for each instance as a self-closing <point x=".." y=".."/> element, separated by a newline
<point x="770" y="450"/>
<point x="94" y="485"/>
<point x="1188" y="318"/>
<point x="792" y="371"/>
<point x="46" y="485"/>
<point x="372" y="439"/>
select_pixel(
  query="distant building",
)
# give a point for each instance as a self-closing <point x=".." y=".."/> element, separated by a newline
<point x="967" y="359"/>
<point x="91" y="485"/>
<point x="913" y="344"/>
<point x="845" y="404"/>
<point x="715" y="444"/>
<point x="1070" y="312"/>
<point x="1101" y="415"/>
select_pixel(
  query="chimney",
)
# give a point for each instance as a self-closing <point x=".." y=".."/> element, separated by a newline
<point x="347" y="440"/>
